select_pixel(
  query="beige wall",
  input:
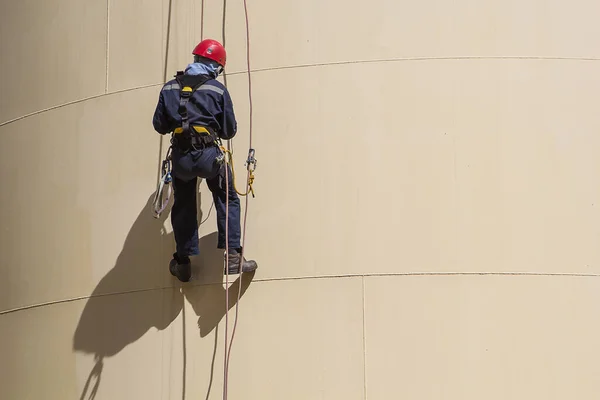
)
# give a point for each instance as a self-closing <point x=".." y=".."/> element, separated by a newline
<point x="426" y="219"/>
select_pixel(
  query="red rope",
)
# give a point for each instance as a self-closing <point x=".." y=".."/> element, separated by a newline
<point x="228" y="349"/>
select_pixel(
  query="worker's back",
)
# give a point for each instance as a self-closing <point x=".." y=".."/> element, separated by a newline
<point x="210" y="105"/>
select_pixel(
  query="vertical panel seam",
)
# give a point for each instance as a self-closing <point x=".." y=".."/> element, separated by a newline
<point x="202" y="22"/>
<point x="107" y="42"/>
<point x="364" y="340"/>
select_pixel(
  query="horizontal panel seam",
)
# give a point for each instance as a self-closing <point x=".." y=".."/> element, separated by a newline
<point x="424" y="58"/>
<point x="70" y="103"/>
<point x="316" y="277"/>
<point x="333" y="63"/>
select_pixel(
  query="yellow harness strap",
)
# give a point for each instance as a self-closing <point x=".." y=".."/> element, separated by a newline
<point x="197" y="128"/>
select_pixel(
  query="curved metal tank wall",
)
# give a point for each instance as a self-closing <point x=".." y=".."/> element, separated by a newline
<point x="426" y="219"/>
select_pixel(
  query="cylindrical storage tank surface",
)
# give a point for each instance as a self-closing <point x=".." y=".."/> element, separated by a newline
<point x="426" y="215"/>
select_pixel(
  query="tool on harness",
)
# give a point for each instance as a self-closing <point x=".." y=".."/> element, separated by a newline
<point x="220" y="157"/>
<point x="160" y="202"/>
<point x="251" y="167"/>
<point x="251" y="159"/>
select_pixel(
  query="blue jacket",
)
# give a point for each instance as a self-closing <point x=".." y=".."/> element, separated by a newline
<point x="210" y="106"/>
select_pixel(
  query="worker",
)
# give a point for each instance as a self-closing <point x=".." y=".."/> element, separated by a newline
<point x="196" y="109"/>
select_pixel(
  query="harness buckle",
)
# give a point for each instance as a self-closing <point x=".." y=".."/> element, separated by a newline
<point x="186" y="92"/>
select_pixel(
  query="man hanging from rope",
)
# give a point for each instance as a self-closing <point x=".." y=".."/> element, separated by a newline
<point x="198" y="110"/>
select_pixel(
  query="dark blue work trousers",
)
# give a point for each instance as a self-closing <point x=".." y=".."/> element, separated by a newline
<point x="187" y="168"/>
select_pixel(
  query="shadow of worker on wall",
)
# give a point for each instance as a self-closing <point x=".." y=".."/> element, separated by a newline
<point x="139" y="294"/>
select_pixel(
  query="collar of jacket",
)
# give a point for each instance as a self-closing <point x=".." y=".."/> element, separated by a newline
<point x="211" y="69"/>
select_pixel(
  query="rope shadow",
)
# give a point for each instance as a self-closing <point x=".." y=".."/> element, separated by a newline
<point x="208" y="297"/>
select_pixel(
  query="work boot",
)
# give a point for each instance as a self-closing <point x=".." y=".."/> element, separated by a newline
<point x="235" y="258"/>
<point x="181" y="268"/>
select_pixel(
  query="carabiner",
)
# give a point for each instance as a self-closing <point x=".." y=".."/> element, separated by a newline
<point x="251" y="160"/>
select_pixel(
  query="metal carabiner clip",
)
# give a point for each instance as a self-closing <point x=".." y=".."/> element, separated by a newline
<point x="251" y="159"/>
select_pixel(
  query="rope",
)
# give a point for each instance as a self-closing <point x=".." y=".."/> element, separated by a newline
<point x="226" y="363"/>
<point x="251" y="165"/>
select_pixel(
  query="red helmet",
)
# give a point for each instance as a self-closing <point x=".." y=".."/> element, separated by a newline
<point x="211" y="49"/>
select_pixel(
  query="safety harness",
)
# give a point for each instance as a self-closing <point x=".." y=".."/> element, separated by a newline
<point x="185" y="138"/>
